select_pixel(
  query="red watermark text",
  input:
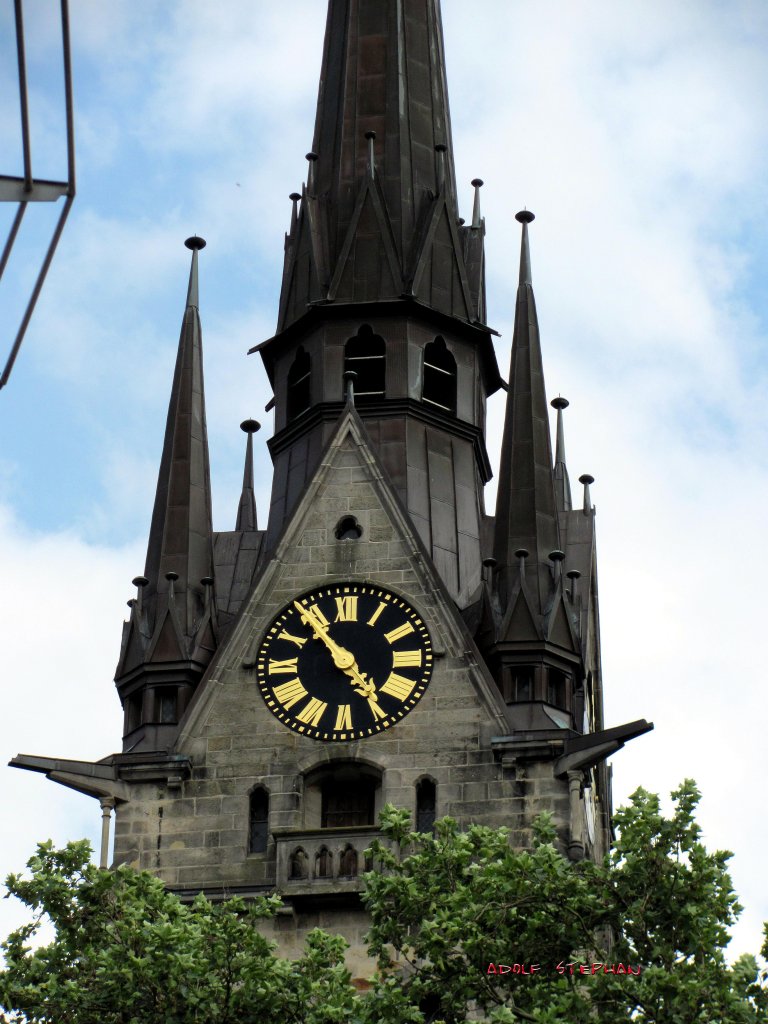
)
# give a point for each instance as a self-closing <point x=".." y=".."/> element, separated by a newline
<point x="564" y="967"/>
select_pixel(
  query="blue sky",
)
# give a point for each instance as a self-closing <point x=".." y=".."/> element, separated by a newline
<point x="638" y="135"/>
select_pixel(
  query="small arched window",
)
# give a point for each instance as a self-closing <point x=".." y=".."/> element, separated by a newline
<point x="557" y="688"/>
<point x="426" y="805"/>
<point x="439" y="380"/>
<point x="299" y="379"/>
<point x="258" y="820"/>
<point x="366" y="355"/>
<point x="166" y="705"/>
<point x="518" y="684"/>
<point x="348" y="528"/>
<point x="133" y="709"/>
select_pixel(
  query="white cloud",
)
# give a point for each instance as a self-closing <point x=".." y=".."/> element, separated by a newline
<point x="61" y="635"/>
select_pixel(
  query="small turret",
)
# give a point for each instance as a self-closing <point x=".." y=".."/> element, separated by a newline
<point x="526" y="515"/>
<point x="535" y="654"/>
<point x="246" y="510"/>
<point x="172" y="632"/>
<point x="562" y="482"/>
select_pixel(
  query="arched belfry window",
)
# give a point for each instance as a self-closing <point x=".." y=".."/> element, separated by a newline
<point x="258" y="820"/>
<point x="426" y="805"/>
<point x="439" y="380"/>
<point x="299" y="379"/>
<point x="348" y="802"/>
<point x="365" y="353"/>
<point x="341" y="794"/>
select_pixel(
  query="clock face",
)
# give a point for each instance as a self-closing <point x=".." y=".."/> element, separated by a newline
<point x="344" y="662"/>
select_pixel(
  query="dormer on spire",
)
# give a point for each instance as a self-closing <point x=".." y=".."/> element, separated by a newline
<point x="526" y="515"/>
<point x="162" y="658"/>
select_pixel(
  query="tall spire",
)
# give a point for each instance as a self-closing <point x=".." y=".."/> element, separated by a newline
<point x="562" y="481"/>
<point x="172" y="631"/>
<point x="181" y="533"/>
<point x="526" y="516"/>
<point x="384" y="71"/>
<point x="380" y="204"/>
<point x="246" y="511"/>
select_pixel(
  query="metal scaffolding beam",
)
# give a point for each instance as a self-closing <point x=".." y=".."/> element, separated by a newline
<point x="28" y="189"/>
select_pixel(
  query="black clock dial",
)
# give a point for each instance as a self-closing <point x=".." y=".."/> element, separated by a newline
<point x="344" y="662"/>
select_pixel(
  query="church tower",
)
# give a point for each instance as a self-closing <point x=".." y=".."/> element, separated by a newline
<point x="382" y="638"/>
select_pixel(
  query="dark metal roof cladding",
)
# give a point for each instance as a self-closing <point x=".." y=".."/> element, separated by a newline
<point x="378" y="217"/>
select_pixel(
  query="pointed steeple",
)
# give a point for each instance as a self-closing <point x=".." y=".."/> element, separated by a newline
<point x="562" y="481"/>
<point x="526" y="515"/>
<point x="161" y="644"/>
<point x="246" y="511"/>
<point x="181" y="533"/>
<point x="383" y="70"/>
<point x="380" y="204"/>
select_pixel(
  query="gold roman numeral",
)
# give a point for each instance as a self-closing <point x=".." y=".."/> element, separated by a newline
<point x="343" y="718"/>
<point x="289" y="693"/>
<point x="377" y="613"/>
<point x="298" y="640"/>
<point x="313" y="608"/>
<point x="398" y="686"/>
<point x="313" y="712"/>
<point x="406" y="659"/>
<point x="377" y="712"/>
<point x="346" y="609"/>
<point x="288" y="667"/>
<point x="397" y="634"/>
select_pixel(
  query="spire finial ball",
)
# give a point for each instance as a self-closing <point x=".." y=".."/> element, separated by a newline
<point x="311" y="157"/>
<point x="559" y="402"/>
<point x="556" y="555"/>
<point x="586" y="478"/>
<point x="441" y="147"/>
<point x="294" y="197"/>
<point x="521" y="553"/>
<point x="195" y="242"/>
<point x="370" y="134"/>
<point x="250" y="426"/>
<point x="525" y="217"/>
<point x="477" y="183"/>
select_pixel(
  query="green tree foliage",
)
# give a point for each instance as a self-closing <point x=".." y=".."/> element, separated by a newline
<point x="443" y="908"/>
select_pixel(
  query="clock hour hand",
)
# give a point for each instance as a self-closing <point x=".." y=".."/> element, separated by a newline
<point x="342" y="658"/>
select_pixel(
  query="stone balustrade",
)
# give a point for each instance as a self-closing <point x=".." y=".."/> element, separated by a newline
<point x="313" y="861"/>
